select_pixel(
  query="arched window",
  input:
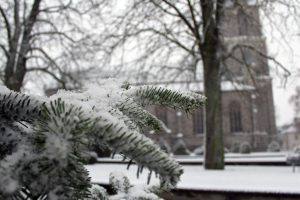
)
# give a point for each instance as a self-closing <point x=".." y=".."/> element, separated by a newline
<point x="161" y="114"/>
<point x="243" y="22"/>
<point x="235" y="117"/>
<point x="198" y="124"/>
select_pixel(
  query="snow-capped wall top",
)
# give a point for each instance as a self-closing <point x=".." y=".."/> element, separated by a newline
<point x="230" y="3"/>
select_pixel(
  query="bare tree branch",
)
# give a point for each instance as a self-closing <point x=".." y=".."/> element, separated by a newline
<point x="4" y="50"/>
<point x="53" y="33"/>
<point x="181" y="15"/>
<point x="47" y="71"/>
<point x="7" y="25"/>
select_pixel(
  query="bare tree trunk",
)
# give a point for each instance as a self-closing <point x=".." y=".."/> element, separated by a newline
<point x="32" y="29"/>
<point x="9" y="79"/>
<point x="15" y="68"/>
<point x="210" y="50"/>
<point x="214" y="151"/>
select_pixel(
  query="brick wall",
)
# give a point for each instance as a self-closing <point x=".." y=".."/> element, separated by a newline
<point x="257" y="120"/>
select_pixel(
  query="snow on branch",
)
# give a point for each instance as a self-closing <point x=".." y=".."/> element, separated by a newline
<point x="188" y="101"/>
<point x="44" y="141"/>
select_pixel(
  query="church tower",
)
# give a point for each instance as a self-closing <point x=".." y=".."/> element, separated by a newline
<point x="247" y="99"/>
<point x="246" y="62"/>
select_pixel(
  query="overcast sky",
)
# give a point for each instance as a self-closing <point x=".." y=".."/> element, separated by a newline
<point x="284" y="44"/>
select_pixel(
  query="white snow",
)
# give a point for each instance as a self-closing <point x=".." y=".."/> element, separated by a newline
<point x="100" y="173"/>
<point x="124" y="190"/>
<point x="237" y="157"/>
<point x="230" y="3"/>
<point x="242" y="178"/>
<point x="264" y="179"/>
<point x="230" y="157"/>
<point x="57" y="146"/>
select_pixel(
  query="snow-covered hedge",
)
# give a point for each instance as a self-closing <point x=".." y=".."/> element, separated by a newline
<point x="44" y="140"/>
<point x="122" y="189"/>
<point x="294" y="158"/>
<point x="274" y="146"/>
<point x="235" y="147"/>
<point x="245" y="147"/>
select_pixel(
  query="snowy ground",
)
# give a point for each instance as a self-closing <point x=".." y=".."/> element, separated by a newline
<point x="264" y="179"/>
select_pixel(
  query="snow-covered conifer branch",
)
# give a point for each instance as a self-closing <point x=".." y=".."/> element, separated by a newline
<point x="139" y="148"/>
<point x="44" y="141"/>
<point x="138" y="115"/>
<point x="152" y="95"/>
<point x="19" y="107"/>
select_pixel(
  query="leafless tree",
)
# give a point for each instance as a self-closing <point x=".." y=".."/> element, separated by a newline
<point x="181" y="33"/>
<point x="167" y="39"/>
<point x="46" y="37"/>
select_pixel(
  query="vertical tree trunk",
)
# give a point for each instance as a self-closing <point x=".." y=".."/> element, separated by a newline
<point x="15" y="68"/>
<point x="11" y="64"/>
<point x="14" y="81"/>
<point x="210" y="51"/>
<point x="11" y="80"/>
<point x="214" y="147"/>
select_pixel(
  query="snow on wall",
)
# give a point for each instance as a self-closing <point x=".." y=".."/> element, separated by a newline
<point x="279" y="180"/>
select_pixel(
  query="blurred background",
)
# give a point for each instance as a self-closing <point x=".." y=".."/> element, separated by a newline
<point x="67" y="44"/>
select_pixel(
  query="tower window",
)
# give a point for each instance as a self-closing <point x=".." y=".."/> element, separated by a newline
<point x="235" y="117"/>
<point x="198" y="124"/>
<point x="243" y="23"/>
